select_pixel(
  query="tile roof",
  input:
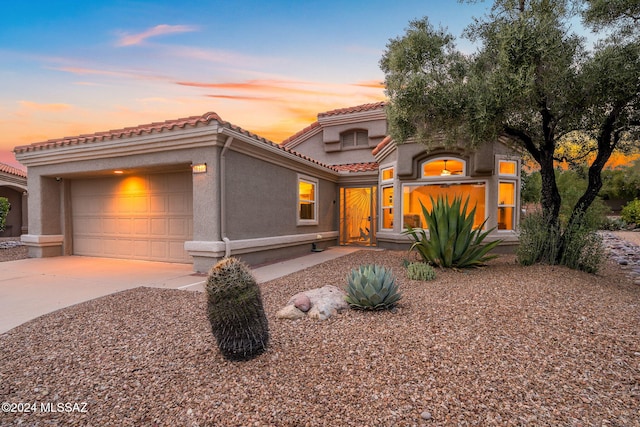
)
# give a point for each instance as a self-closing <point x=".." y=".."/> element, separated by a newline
<point x="158" y="127"/>
<point x="357" y="167"/>
<point x="120" y="133"/>
<point x="12" y="171"/>
<point x="356" y="109"/>
<point x="295" y="136"/>
<point x="387" y="139"/>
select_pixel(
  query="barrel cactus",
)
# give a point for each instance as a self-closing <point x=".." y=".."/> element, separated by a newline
<point x="235" y="311"/>
<point x="372" y="287"/>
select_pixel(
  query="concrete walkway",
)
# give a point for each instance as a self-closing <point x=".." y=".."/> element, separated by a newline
<point x="32" y="287"/>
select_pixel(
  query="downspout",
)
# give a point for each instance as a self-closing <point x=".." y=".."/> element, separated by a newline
<point x="223" y="197"/>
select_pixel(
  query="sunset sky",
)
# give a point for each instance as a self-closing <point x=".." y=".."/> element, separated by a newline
<point x="70" y="67"/>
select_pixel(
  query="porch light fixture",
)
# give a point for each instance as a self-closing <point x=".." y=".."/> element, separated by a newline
<point x="199" y="168"/>
<point x="118" y="172"/>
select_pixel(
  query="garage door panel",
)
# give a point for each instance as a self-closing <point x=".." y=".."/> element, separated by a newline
<point x="142" y="217"/>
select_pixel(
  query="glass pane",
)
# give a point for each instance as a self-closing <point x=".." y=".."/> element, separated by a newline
<point x="443" y="167"/>
<point x="507" y="168"/>
<point x="387" y="174"/>
<point x="387" y="207"/>
<point x="414" y="195"/>
<point x="307" y="191"/>
<point x="357" y="215"/>
<point x="505" y="218"/>
<point x="507" y="194"/>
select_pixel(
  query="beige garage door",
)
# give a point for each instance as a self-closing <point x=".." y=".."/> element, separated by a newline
<point x="146" y="217"/>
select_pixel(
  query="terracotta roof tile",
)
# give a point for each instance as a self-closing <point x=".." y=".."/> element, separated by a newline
<point x="357" y="167"/>
<point x="309" y="128"/>
<point x="119" y="133"/>
<point x="158" y="127"/>
<point x="12" y="171"/>
<point x="356" y="109"/>
<point x="387" y="139"/>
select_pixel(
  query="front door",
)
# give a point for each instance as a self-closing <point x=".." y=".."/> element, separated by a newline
<point x="358" y="215"/>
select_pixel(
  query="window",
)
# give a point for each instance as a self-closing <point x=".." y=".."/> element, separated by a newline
<point x="387" y="207"/>
<point x="507" y="193"/>
<point x="354" y="139"/>
<point x="506" y="205"/>
<point x="416" y="194"/>
<point x="307" y="201"/>
<point x="507" y="167"/>
<point x="443" y="167"/>
<point x="387" y="174"/>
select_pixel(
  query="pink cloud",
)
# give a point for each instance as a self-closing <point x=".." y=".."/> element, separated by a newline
<point x="158" y="30"/>
<point x="48" y="108"/>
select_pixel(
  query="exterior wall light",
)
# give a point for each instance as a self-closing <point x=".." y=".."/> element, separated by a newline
<point x="199" y="168"/>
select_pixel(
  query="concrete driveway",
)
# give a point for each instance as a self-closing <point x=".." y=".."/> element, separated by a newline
<point x="32" y="287"/>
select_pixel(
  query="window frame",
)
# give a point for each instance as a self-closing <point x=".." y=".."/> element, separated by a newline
<point x="463" y="174"/>
<point x="508" y="178"/>
<point x="315" y="183"/>
<point x="355" y="145"/>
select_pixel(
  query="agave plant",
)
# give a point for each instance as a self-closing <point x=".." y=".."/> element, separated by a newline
<point x="452" y="241"/>
<point x="372" y="287"/>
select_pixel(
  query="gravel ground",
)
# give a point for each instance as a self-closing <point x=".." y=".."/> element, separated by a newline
<point x="503" y="345"/>
<point x="12" y="253"/>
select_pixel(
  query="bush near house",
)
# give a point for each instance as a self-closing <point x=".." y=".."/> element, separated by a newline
<point x="235" y="311"/>
<point x="452" y="241"/>
<point x="5" y="207"/>
<point x="539" y="242"/>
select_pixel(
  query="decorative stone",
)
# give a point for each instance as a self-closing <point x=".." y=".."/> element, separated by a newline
<point x="290" y="312"/>
<point x="302" y="302"/>
<point x="323" y="303"/>
<point x="426" y="415"/>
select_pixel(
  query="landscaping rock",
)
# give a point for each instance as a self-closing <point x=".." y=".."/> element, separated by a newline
<point x="290" y="312"/>
<point x="322" y="303"/>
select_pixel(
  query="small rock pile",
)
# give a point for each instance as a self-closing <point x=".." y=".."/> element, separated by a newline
<point x="624" y="253"/>
<point x="320" y="303"/>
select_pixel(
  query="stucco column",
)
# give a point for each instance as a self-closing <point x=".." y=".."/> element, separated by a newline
<point x="45" y="232"/>
<point x="24" y="229"/>
<point x="206" y="246"/>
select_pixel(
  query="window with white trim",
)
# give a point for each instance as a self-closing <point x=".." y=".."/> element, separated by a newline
<point x="307" y="200"/>
<point x="507" y="194"/>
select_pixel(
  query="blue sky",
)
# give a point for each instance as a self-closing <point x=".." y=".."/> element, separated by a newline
<point x="69" y="67"/>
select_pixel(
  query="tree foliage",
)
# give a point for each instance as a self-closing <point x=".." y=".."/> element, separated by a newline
<point x="531" y="79"/>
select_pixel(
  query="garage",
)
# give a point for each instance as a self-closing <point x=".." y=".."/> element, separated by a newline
<point x="139" y="216"/>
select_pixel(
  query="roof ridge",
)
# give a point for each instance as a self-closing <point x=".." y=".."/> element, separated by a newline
<point x="355" y="109"/>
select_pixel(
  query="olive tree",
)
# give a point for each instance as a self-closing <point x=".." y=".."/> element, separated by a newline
<point x="531" y="79"/>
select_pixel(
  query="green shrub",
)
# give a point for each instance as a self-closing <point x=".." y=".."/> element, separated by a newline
<point x="372" y="287"/>
<point x="631" y="212"/>
<point x="420" y="271"/>
<point x="613" y="224"/>
<point x="540" y="243"/>
<point x="5" y="207"/>
<point x="452" y="240"/>
<point x="235" y="310"/>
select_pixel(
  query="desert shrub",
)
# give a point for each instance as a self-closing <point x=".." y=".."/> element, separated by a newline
<point x="372" y="287"/>
<point x="235" y="310"/>
<point x="452" y="241"/>
<point x="5" y="206"/>
<point x="420" y="271"/>
<point x="540" y="242"/>
<point x="631" y="212"/>
<point x="613" y="224"/>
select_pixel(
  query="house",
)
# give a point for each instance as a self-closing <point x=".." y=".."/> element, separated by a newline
<point x="13" y="186"/>
<point x="196" y="189"/>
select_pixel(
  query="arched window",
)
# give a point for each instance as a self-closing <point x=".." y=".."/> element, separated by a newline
<point x="444" y="167"/>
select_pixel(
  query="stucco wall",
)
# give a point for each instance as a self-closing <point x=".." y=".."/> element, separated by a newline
<point x="261" y="200"/>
